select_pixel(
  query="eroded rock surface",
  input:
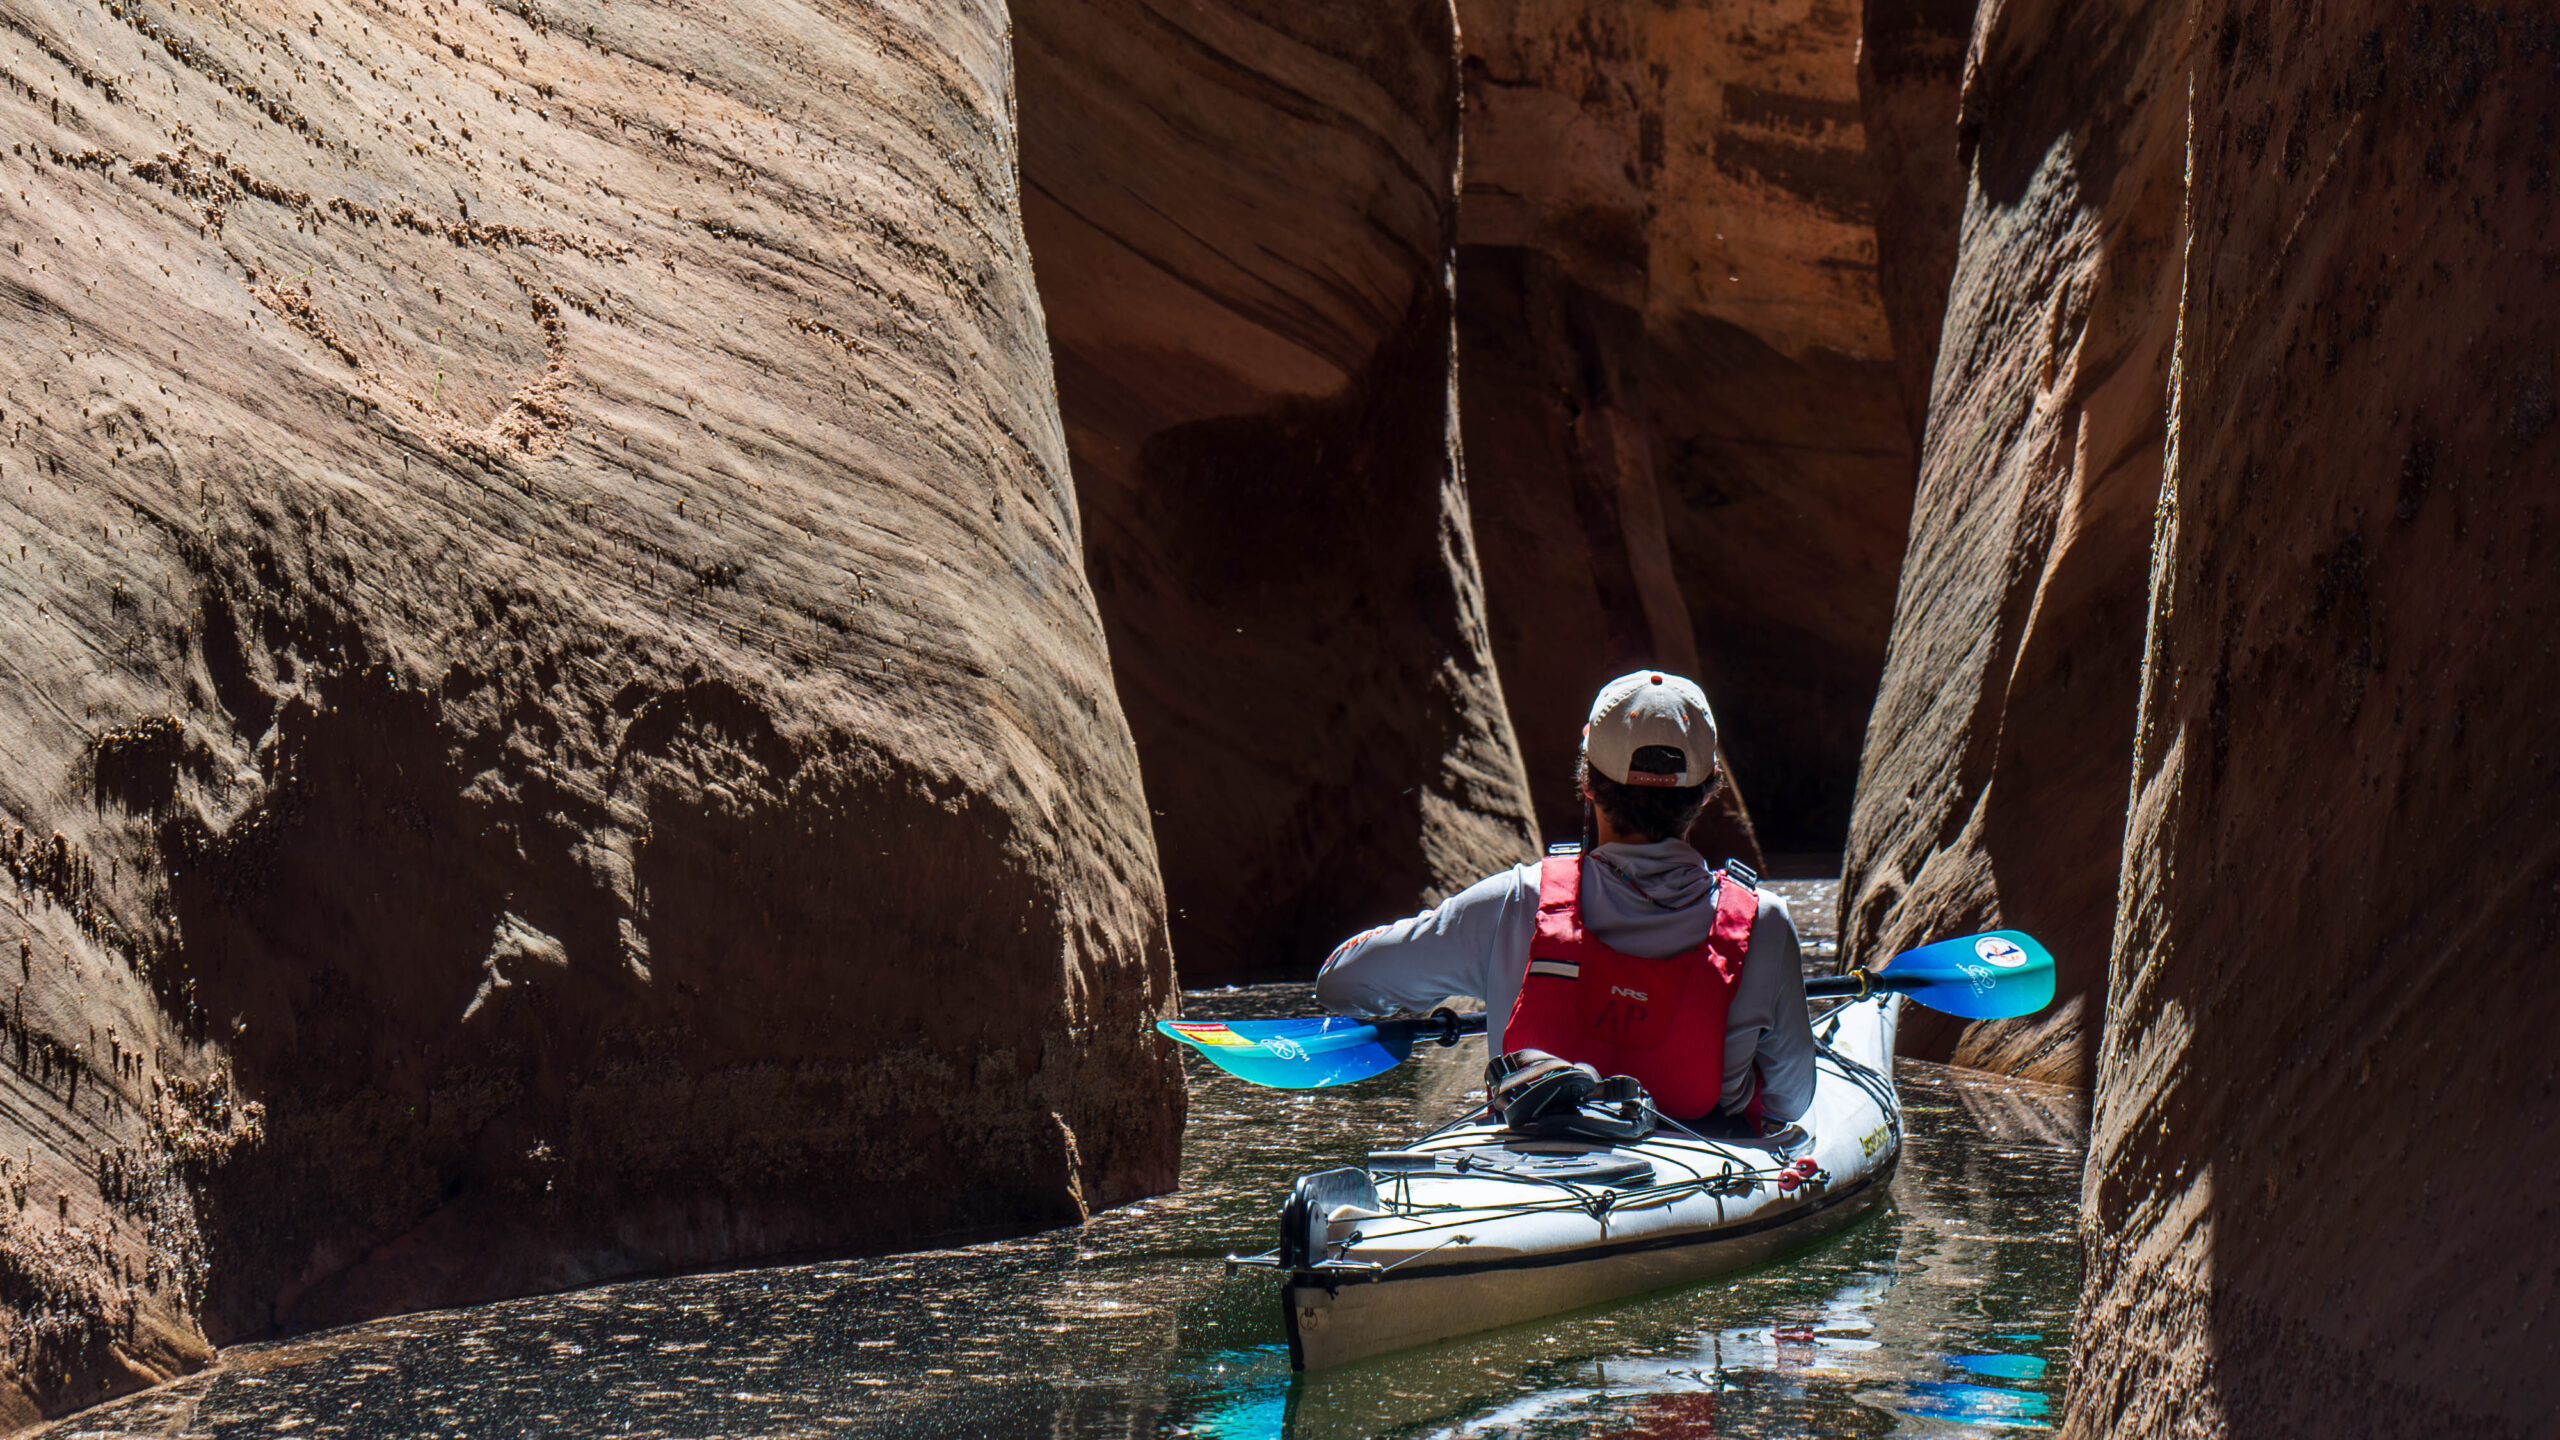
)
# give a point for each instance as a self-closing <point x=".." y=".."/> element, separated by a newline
<point x="555" y="727"/>
<point x="1991" y="792"/>
<point x="1685" y="442"/>
<point x="2234" y="499"/>
<point x="1911" y="64"/>
<point x="1242" y="214"/>
<point x="2318" y="1188"/>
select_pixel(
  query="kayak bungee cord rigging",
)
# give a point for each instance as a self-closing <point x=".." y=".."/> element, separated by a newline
<point x="1658" y="1108"/>
<point x="1736" y="1174"/>
<point x="1734" y="1169"/>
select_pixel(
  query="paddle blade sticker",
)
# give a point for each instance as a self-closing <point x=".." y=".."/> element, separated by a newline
<point x="1993" y="976"/>
<point x="1203" y="1033"/>
<point x="1299" y="1054"/>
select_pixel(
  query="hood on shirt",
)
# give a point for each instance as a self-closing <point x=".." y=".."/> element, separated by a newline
<point x="1670" y="873"/>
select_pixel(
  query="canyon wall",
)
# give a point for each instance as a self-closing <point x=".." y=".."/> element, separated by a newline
<point x="556" y="727"/>
<point x="2318" y="1186"/>
<point x="1242" y="215"/>
<point x="1911" y="65"/>
<point x="2234" y="499"/>
<point x="1686" y="444"/>
<point x="1991" y="790"/>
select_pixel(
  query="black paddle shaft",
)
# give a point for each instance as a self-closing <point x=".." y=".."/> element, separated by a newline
<point x="1443" y="1026"/>
<point x="1856" y="985"/>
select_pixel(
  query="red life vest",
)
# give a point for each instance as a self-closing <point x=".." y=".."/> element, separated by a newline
<point x="1661" y="1021"/>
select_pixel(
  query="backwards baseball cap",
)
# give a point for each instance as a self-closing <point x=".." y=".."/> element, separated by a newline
<point x="1651" y="728"/>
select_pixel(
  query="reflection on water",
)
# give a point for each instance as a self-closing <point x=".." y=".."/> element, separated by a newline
<point x="1946" y="1313"/>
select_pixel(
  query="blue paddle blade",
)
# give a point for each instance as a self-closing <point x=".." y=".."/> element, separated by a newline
<point x="1298" y="1054"/>
<point x="1992" y="976"/>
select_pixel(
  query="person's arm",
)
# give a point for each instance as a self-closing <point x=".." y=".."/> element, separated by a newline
<point x="1465" y="945"/>
<point x="1768" y="1026"/>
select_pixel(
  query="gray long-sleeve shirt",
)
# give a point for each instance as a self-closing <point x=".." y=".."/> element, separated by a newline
<point x="1649" y="900"/>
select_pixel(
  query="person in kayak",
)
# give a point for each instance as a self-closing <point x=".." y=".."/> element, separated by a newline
<point x="1634" y="957"/>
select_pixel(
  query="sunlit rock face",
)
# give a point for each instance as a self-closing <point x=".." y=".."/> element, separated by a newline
<point x="556" y="727"/>
<point x="2318" y="1197"/>
<point x="1242" y="216"/>
<point x="1685" y="441"/>
<point x="1992" y="787"/>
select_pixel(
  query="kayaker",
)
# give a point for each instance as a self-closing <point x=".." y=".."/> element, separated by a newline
<point x="1647" y="962"/>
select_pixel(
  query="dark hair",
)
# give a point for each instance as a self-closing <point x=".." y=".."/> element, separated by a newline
<point x="1647" y="812"/>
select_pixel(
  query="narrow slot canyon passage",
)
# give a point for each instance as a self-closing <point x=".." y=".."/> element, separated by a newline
<point x="647" y="648"/>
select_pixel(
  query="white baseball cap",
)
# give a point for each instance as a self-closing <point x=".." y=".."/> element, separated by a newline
<point x="1651" y="707"/>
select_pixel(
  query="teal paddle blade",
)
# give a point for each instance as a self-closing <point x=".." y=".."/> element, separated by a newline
<point x="1992" y="976"/>
<point x="1305" y="1053"/>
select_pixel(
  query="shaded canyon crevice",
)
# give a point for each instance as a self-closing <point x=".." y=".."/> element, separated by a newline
<point x="1242" y="216"/>
<point x="1685" y="442"/>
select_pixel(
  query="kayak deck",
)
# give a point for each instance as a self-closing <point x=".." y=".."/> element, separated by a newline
<point x="1472" y="1227"/>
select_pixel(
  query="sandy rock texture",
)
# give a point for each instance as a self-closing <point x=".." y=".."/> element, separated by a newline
<point x="1685" y="441"/>
<point x="1991" y="791"/>
<point x="2318" y="1194"/>
<point x="1242" y="215"/>
<point x="555" y="723"/>
<point x="1911" y="65"/>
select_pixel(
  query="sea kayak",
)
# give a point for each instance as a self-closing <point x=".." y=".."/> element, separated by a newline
<point x="1471" y="1227"/>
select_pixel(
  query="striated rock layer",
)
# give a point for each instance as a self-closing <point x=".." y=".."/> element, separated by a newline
<point x="2233" y="499"/>
<point x="1911" y="56"/>
<point x="1686" y="444"/>
<point x="1991" y="791"/>
<point x="1242" y="214"/>
<point x="556" y="727"/>
<point x="2318" y="1189"/>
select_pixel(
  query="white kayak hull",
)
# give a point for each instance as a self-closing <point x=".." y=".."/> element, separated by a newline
<point x="1458" y="1248"/>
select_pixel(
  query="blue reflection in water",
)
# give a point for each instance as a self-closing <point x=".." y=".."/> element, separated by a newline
<point x="2000" y="1367"/>
<point x="1812" y="1376"/>
<point x="1242" y="1394"/>
<point x="1978" y="1404"/>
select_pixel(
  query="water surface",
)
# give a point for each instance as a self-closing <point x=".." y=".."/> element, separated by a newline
<point x="1946" y="1313"/>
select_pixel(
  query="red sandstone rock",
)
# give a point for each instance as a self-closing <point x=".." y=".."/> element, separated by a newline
<point x="1910" y="71"/>
<point x="1242" y="217"/>
<point x="2319" y="1181"/>
<point x="1992" y="788"/>
<point x="1684" y="442"/>
<point x="548" y="649"/>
